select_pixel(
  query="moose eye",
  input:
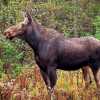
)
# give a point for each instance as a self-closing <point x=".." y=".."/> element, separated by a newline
<point x="22" y="25"/>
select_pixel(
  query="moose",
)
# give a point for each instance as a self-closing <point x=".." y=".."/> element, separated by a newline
<point x="54" y="51"/>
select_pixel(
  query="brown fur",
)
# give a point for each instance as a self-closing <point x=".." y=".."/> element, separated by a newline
<point x="54" y="51"/>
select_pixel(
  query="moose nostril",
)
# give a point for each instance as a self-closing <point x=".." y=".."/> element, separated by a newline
<point x="5" y="33"/>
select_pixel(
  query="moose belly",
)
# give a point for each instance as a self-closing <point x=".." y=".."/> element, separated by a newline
<point x="72" y="64"/>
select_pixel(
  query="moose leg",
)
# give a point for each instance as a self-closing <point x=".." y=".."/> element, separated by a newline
<point x="45" y="78"/>
<point x="49" y="78"/>
<point x="53" y="78"/>
<point x="87" y="76"/>
<point x="96" y="72"/>
<point x="43" y="71"/>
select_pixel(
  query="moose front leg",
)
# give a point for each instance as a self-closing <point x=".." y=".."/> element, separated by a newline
<point x="50" y="78"/>
<point x="45" y="78"/>
<point x="51" y="71"/>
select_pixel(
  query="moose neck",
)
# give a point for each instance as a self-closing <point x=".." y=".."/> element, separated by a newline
<point x="33" y="36"/>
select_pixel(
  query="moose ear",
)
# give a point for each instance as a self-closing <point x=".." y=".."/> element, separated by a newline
<point x="27" y="17"/>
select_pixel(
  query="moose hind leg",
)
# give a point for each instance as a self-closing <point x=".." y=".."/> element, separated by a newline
<point x="87" y="76"/>
<point x="95" y="66"/>
<point x="96" y="72"/>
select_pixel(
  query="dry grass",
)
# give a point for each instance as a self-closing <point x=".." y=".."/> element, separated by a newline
<point x="29" y="85"/>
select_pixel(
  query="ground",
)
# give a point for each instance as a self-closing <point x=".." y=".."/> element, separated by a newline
<point x="29" y="85"/>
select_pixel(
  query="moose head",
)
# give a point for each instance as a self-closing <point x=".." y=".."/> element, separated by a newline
<point x="20" y="29"/>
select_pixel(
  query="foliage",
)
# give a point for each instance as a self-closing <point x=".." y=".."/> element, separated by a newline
<point x="69" y="86"/>
<point x="10" y="54"/>
<point x="97" y="25"/>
